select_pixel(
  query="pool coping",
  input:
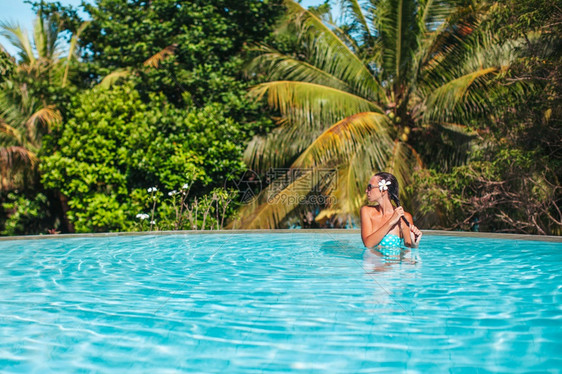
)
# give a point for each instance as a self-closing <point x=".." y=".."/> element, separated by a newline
<point x="489" y="235"/>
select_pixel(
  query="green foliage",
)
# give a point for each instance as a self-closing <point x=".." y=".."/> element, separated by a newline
<point x="126" y="34"/>
<point x="6" y="65"/>
<point x="183" y="116"/>
<point x="203" y="39"/>
<point x="26" y="215"/>
<point x="32" y="97"/>
<point x="513" y="182"/>
<point x="194" y="58"/>
<point x="186" y="119"/>
<point x="363" y="97"/>
<point x="504" y="190"/>
<point x="116" y="144"/>
<point x="180" y="211"/>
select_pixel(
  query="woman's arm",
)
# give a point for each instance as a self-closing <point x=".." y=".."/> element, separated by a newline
<point x="405" y="229"/>
<point x="412" y="234"/>
<point x="372" y="236"/>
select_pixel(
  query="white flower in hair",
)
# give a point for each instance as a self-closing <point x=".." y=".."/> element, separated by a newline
<point x="383" y="185"/>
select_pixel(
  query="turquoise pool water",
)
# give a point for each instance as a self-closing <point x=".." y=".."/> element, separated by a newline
<point x="258" y="303"/>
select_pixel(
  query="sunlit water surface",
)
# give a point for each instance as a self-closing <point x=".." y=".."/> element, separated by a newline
<point x="253" y="303"/>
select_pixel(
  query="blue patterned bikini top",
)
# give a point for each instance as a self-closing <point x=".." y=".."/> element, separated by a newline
<point x="390" y="240"/>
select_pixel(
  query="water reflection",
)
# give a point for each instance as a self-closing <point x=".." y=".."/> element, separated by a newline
<point x="382" y="259"/>
<point x="391" y="269"/>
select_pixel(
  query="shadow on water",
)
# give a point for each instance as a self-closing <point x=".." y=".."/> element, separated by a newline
<point x="342" y="249"/>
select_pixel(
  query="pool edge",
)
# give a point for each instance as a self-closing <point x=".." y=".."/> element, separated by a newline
<point x="545" y="238"/>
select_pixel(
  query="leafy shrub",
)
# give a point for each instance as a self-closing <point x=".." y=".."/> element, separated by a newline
<point x="508" y="191"/>
<point x="115" y="144"/>
<point x="26" y="215"/>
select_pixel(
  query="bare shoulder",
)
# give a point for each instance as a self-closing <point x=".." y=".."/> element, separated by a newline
<point x="368" y="210"/>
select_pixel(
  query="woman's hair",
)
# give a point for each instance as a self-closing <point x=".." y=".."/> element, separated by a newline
<point x="392" y="188"/>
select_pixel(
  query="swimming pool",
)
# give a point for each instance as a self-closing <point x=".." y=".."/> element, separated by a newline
<point x="254" y="303"/>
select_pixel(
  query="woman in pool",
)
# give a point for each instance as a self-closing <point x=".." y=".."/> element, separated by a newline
<point x="383" y="225"/>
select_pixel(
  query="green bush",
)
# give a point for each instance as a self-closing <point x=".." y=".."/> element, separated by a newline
<point x="26" y="215"/>
<point x="509" y="190"/>
<point x="115" y="144"/>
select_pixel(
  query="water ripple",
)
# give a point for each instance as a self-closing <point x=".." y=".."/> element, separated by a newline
<point x="277" y="303"/>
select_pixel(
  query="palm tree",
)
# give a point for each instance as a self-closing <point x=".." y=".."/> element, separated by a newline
<point x="350" y="98"/>
<point x="25" y="112"/>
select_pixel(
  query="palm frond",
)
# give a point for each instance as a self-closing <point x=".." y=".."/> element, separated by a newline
<point x="355" y="147"/>
<point x="348" y="189"/>
<point x="444" y="101"/>
<point x="279" y="148"/>
<point x="19" y="39"/>
<point x="41" y="122"/>
<point x="278" y="66"/>
<point x="395" y="20"/>
<point x="310" y="105"/>
<point x="72" y="49"/>
<point x="403" y="162"/>
<point x="433" y="22"/>
<point x="45" y="37"/>
<point x="155" y="60"/>
<point x="112" y="78"/>
<point x="460" y="80"/>
<point x="16" y="164"/>
<point x="398" y="53"/>
<point x="489" y="52"/>
<point x="14" y="157"/>
<point x="16" y="104"/>
<point x="459" y="129"/>
<point x="11" y="132"/>
<point x="330" y="53"/>
<point x="455" y="41"/>
<point x="432" y="14"/>
<point x="352" y="9"/>
<point x="346" y="38"/>
<point x="274" y="203"/>
<point x="39" y="36"/>
<point x="347" y="137"/>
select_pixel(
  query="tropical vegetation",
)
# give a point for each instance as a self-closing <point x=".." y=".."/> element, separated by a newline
<point x="146" y="116"/>
<point x="365" y="96"/>
<point x="408" y="87"/>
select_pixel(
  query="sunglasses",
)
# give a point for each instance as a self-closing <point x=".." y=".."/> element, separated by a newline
<point x="370" y="187"/>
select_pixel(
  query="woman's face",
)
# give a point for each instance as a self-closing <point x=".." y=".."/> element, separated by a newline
<point x="372" y="190"/>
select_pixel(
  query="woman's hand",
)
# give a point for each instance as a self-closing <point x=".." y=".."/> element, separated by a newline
<point x="417" y="235"/>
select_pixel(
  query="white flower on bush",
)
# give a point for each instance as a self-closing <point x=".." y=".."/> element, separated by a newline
<point x="142" y="216"/>
<point x="185" y="186"/>
<point x="172" y="193"/>
<point x="152" y="189"/>
<point x="153" y="222"/>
